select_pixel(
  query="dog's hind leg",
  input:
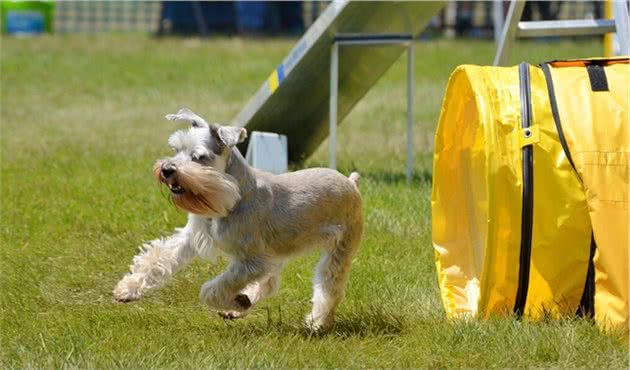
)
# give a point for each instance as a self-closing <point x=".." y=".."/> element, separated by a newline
<point x="157" y="261"/>
<point x="330" y="281"/>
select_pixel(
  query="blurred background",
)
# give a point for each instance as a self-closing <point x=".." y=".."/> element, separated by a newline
<point x="475" y="19"/>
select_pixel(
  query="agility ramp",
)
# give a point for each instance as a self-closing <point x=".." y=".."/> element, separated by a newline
<point x="294" y="100"/>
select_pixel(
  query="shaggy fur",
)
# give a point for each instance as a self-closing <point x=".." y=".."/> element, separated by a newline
<point x="208" y="192"/>
<point x="257" y="220"/>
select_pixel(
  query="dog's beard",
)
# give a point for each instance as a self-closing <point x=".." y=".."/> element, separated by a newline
<point x="206" y="192"/>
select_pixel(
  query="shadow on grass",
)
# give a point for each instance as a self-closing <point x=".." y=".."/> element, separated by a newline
<point x="361" y="323"/>
<point x="367" y="323"/>
<point x="424" y="176"/>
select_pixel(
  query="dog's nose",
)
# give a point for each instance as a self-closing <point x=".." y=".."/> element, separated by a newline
<point x="168" y="171"/>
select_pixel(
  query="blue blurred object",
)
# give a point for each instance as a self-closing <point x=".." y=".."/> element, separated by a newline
<point x="26" y="17"/>
<point x="188" y="17"/>
<point x="24" y="22"/>
<point x="284" y="16"/>
<point x="250" y="16"/>
<point x="179" y="17"/>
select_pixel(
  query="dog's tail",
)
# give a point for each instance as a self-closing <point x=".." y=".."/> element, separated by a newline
<point x="354" y="177"/>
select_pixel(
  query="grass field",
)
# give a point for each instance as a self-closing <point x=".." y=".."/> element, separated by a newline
<point x="81" y="125"/>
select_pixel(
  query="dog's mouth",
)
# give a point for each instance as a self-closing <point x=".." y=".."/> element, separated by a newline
<point x="173" y="186"/>
<point x="170" y="181"/>
<point x="176" y="189"/>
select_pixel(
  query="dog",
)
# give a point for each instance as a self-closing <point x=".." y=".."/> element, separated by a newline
<point x="255" y="219"/>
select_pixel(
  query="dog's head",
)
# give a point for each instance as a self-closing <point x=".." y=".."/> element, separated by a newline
<point x="195" y="174"/>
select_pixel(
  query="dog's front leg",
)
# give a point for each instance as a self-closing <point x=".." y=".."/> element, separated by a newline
<point x="257" y="291"/>
<point x="224" y="291"/>
<point x="157" y="261"/>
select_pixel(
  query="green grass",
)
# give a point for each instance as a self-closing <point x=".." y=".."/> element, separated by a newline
<point x="81" y="125"/>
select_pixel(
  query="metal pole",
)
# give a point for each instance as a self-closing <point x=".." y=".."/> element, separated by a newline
<point x="450" y="17"/>
<point x="620" y="11"/>
<point x="608" y="38"/>
<point x="334" y="93"/>
<point x="332" y="118"/>
<point x="497" y="19"/>
<point x="201" y="22"/>
<point x="410" y="112"/>
<point x="508" y="34"/>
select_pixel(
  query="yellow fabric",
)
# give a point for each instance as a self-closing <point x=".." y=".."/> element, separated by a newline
<point x="477" y="121"/>
<point x="598" y="138"/>
<point x="478" y="185"/>
<point x="561" y="235"/>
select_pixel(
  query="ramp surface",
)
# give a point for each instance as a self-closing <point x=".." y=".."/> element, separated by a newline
<point x="293" y="101"/>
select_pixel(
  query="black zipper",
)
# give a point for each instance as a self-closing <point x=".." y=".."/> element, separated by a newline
<point x="587" y="303"/>
<point x="528" y="194"/>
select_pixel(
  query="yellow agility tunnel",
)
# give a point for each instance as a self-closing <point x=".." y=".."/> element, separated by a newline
<point x="530" y="191"/>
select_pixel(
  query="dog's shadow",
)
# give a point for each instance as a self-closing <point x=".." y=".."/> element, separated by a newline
<point x="362" y="323"/>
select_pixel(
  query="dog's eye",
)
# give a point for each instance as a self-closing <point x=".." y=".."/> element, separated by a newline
<point x="200" y="157"/>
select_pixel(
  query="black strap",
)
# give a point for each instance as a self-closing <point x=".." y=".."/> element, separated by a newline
<point x="597" y="76"/>
<point x="555" y="113"/>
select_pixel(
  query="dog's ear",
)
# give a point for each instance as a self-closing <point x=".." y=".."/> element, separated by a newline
<point x="229" y="135"/>
<point x="189" y="116"/>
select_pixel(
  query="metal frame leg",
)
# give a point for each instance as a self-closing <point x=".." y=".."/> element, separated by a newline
<point x="410" y="112"/>
<point x="332" y="119"/>
<point x="497" y="19"/>
<point x="334" y="92"/>
<point x="201" y="22"/>
<point x="510" y="27"/>
<point x="620" y="11"/>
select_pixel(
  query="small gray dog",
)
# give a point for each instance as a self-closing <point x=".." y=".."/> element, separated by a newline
<point x="255" y="219"/>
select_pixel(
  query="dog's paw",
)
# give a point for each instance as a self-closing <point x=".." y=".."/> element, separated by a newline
<point x="317" y="325"/>
<point x="232" y="315"/>
<point x="128" y="289"/>
<point x="217" y="298"/>
<point x="243" y="301"/>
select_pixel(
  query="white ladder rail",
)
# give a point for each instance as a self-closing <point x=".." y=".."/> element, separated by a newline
<point x="515" y="28"/>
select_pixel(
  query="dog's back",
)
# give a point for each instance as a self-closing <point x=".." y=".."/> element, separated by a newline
<point x="318" y="179"/>
<point x="308" y="206"/>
